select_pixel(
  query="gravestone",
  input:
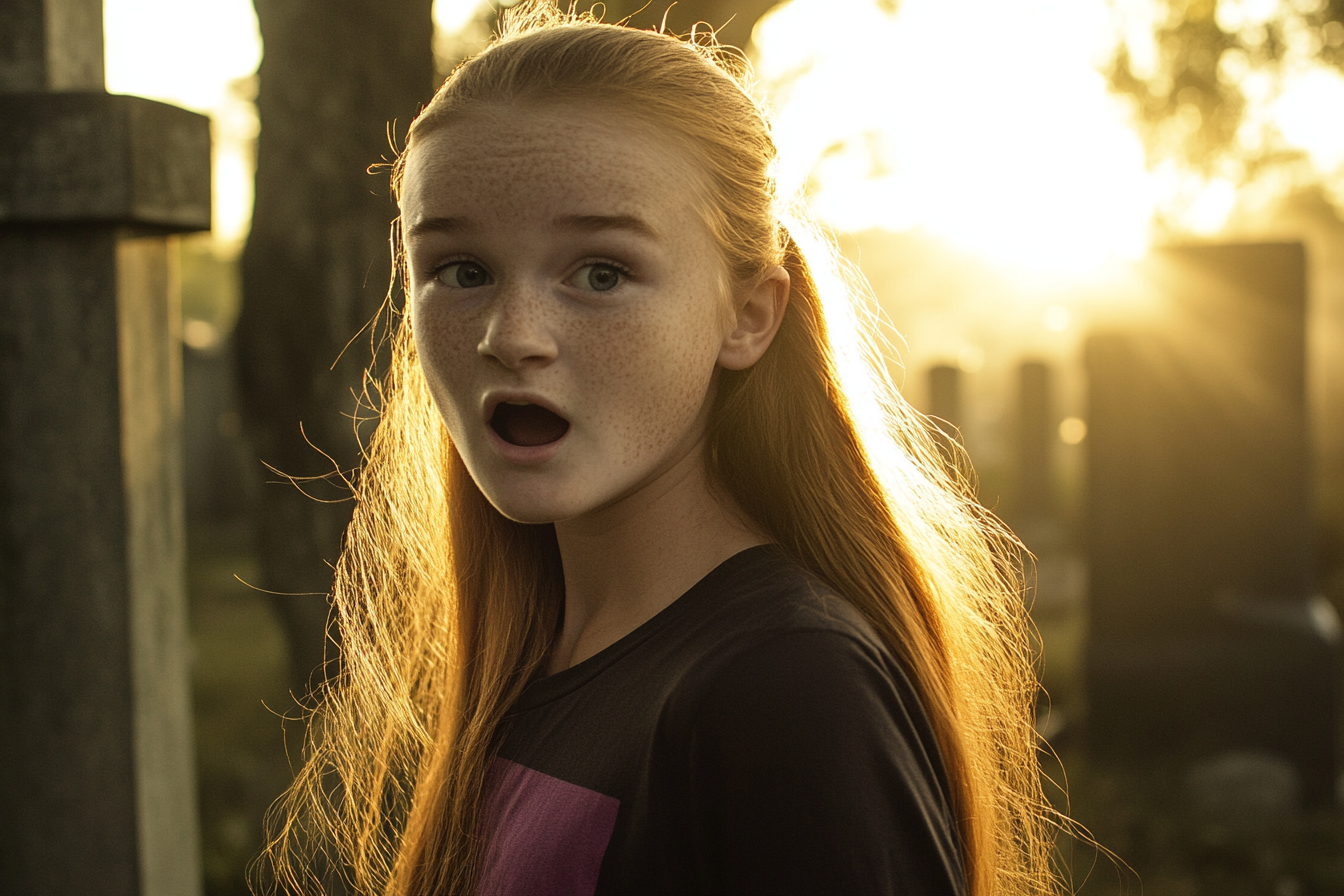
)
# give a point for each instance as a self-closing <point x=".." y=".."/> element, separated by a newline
<point x="945" y="398"/>
<point x="1035" y="442"/>
<point x="97" y="775"/>
<point x="945" y="414"/>
<point x="1205" y="636"/>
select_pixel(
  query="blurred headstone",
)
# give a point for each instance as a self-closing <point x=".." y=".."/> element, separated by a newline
<point x="97" y="774"/>
<point x="1205" y="635"/>
<point x="1035" y="442"/>
<point x="945" y="398"/>
<point x="1241" y="794"/>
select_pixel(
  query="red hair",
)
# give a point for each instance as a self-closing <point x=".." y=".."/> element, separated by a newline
<point x="447" y="608"/>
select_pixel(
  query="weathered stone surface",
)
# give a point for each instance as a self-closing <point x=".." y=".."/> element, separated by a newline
<point x="66" y="753"/>
<point x="95" y="157"/>
<point x="97" y="771"/>
<point x="51" y="45"/>
<point x="150" y="377"/>
<point x="97" y="777"/>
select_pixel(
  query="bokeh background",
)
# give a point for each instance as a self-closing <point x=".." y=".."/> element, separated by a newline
<point x="1079" y="219"/>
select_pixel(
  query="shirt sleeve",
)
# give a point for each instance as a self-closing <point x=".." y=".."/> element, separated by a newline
<point x="811" y="770"/>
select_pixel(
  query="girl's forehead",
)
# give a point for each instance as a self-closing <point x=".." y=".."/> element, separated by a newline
<point x="548" y="151"/>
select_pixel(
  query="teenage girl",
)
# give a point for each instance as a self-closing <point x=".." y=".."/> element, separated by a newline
<point x="655" y="584"/>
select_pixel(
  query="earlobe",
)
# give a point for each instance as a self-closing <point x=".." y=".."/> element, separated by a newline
<point x="759" y="313"/>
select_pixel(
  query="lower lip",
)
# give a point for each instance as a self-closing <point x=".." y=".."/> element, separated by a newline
<point x="524" y="454"/>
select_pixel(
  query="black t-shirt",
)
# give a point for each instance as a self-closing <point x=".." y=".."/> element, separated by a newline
<point x="754" y="737"/>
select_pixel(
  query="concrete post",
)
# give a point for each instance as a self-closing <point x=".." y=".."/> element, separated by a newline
<point x="97" y="772"/>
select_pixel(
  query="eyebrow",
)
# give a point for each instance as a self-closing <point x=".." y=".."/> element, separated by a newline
<point x="607" y="222"/>
<point x="587" y="223"/>
<point x="440" y="225"/>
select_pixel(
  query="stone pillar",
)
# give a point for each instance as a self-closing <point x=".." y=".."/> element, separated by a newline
<point x="1205" y="633"/>
<point x="1035" y="442"/>
<point x="97" y="772"/>
<point x="945" y="398"/>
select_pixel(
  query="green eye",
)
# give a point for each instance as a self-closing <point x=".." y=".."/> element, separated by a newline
<point x="597" y="277"/>
<point x="463" y="274"/>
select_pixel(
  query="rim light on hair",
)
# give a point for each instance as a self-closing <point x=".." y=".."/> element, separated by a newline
<point x="447" y="608"/>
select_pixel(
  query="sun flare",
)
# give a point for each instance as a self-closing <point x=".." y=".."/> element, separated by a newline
<point x="984" y="123"/>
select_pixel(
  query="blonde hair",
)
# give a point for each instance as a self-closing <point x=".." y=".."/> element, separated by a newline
<point x="447" y="609"/>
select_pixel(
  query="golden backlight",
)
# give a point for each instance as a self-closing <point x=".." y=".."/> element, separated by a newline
<point x="189" y="52"/>
<point x="982" y="122"/>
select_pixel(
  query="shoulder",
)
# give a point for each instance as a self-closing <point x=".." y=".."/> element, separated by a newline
<point x="766" y="625"/>
<point x="819" y="698"/>
<point x="801" y="735"/>
<point x="763" y="594"/>
<point x="795" y="671"/>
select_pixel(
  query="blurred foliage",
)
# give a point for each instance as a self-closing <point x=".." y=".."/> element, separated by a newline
<point x="1192" y="100"/>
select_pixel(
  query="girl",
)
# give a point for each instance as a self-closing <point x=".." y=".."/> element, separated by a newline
<point x="654" y="583"/>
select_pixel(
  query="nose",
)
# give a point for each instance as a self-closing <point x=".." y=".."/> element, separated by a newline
<point x="517" y="332"/>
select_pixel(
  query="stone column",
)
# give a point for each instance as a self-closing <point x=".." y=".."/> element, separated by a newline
<point x="945" y="398"/>
<point x="1035" y="497"/>
<point x="97" y="772"/>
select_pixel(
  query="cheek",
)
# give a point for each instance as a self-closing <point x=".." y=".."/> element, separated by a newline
<point x="444" y="348"/>
<point x="657" y="373"/>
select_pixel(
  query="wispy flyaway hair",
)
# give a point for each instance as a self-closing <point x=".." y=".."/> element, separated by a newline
<point x="447" y="608"/>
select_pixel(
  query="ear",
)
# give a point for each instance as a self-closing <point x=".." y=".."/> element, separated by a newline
<point x="759" y="312"/>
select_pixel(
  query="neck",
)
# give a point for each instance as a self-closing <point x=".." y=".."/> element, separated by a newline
<point x="626" y="562"/>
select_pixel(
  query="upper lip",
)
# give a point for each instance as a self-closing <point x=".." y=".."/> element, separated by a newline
<point x="494" y="399"/>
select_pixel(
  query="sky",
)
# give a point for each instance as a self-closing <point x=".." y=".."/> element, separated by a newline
<point x="984" y="123"/>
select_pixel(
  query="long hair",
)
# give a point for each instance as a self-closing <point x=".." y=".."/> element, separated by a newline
<point x="447" y="608"/>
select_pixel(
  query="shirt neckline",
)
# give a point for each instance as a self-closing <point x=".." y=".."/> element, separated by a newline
<point x="552" y="687"/>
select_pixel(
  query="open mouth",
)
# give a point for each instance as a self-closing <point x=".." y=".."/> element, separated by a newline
<point x="528" y="425"/>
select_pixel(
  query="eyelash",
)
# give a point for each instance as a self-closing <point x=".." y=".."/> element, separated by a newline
<point x="434" y="272"/>
<point x="616" y="266"/>
<point x="622" y="269"/>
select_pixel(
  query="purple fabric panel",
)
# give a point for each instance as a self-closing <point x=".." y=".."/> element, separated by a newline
<point x="547" y="836"/>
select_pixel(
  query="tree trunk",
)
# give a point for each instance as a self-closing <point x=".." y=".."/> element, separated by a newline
<point x="315" y="271"/>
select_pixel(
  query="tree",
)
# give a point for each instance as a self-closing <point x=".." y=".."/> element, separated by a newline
<point x="1214" y="64"/>
<point x="315" y="271"/>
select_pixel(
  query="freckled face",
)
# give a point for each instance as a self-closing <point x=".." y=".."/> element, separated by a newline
<point x="567" y="301"/>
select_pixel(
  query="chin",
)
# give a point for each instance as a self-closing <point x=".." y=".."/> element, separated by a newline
<point x="529" y="515"/>
<point x="527" y="506"/>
